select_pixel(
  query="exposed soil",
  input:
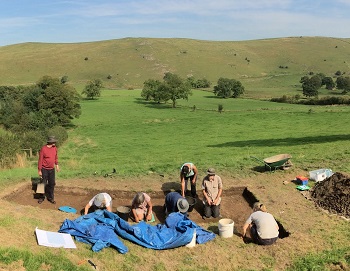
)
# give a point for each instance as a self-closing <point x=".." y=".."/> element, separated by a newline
<point x="236" y="203"/>
<point x="333" y="194"/>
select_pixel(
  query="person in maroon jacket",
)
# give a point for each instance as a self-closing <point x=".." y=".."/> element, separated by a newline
<point x="48" y="160"/>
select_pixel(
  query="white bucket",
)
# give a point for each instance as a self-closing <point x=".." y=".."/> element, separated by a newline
<point x="193" y="241"/>
<point x="226" y="227"/>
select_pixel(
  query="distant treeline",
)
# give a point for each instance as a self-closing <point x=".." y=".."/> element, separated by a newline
<point x="329" y="100"/>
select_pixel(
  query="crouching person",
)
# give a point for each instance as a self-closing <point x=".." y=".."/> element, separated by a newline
<point x="100" y="201"/>
<point x="141" y="207"/>
<point x="174" y="202"/>
<point x="261" y="225"/>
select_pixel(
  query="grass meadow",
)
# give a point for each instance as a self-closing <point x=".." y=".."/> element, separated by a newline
<point x="122" y="131"/>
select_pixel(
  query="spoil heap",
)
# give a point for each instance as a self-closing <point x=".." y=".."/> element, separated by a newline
<point x="333" y="194"/>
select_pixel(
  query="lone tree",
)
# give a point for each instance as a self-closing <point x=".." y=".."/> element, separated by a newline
<point x="93" y="89"/>
<point x="176" y="87"/>
<point x="227" y="88"/>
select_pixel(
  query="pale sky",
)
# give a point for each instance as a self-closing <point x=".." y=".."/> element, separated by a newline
<point x="70" y="21"/>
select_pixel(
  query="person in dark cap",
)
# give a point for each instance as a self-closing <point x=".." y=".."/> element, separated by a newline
<point x="212" y="189"/>
<point x="48" y="161"/>
<point x="174" y="202"/>
<point x="188" y="172"/>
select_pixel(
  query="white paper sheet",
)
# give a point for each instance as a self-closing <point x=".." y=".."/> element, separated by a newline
<point x="54" y="239"/>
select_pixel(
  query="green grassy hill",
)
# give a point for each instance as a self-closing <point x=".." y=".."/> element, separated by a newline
<point x="131" y="61"/>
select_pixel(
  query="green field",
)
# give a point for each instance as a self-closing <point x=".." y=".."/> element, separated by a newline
<point x="122" y="131"/>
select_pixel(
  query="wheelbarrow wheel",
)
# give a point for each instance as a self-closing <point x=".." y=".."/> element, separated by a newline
<point x="287" y="165"/>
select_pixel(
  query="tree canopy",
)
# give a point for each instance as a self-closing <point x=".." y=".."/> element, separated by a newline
<point x="32" y="112"/>
<point x="311" y="85"/>
<point x="343" y="83"/>
<point x="93" y="89"/>
<point x="46" y="104"/>
<point x="172" y="88"/>
<point x="227" y="88"/>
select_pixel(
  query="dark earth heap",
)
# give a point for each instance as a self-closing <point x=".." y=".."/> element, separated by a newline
<point x="333" y="194"/>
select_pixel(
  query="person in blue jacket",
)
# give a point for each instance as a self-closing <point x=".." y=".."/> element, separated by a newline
<point x="174" y="202"/>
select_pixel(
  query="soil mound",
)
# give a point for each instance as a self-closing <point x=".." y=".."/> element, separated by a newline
<point x="333" y="194"/>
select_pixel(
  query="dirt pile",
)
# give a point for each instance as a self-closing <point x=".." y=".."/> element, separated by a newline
<point x="333" y="194"/>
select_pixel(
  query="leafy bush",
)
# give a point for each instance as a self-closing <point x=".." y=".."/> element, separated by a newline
<point x="64" y="79"/>
<point x="329" y="100"/>
<point x="33" y="140"/>
<point x="220" y="108"/>
<point x="9" y="147"/>
<point x="287" y="99"/>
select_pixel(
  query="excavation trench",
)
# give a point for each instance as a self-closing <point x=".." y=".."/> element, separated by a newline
<point x="236" y="203"/>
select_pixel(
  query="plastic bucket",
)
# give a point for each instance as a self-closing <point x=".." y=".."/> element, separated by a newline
<point x="191" y="202"/>
<point x="226" y="227"/>
<point x="123" y="212"/>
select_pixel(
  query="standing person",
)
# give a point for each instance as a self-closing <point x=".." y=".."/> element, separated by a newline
<point x="99" y="201"/>
<point x="212" y="190"/>
<point x="47" y="162"/>
<point x="141" y="207"/>
<point x="188" y="172"/>
<point x="262" y="226"/>
<point x="174" y="202"/>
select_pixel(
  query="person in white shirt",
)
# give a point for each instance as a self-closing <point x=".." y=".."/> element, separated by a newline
<point x="100" y="201"/>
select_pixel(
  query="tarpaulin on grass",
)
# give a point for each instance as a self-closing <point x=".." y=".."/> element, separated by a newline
<point x="102" y="228"/>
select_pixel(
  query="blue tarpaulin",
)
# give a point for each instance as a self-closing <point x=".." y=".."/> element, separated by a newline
<point x="102" y="228"/>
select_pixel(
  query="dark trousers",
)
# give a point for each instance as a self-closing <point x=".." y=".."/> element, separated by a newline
<point x="211" y="210"/>
<point x="193" y="185"/>
<point x="48" y="176"/>
<point x="258" y="240"/>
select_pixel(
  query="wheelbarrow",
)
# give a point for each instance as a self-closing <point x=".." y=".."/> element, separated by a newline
<point x="280" y="161"/>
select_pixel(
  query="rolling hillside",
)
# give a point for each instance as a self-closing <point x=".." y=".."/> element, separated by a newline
<point x="259" y="64"/>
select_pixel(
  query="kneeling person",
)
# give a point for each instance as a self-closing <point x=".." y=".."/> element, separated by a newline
<point x="212" y="190"/>
<point x="141" y="207"/>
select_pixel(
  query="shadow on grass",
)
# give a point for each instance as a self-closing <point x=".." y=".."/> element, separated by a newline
<point x="213" y="97"/>
<point x="284" y="141"/>
<point x="152" y="104"/>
